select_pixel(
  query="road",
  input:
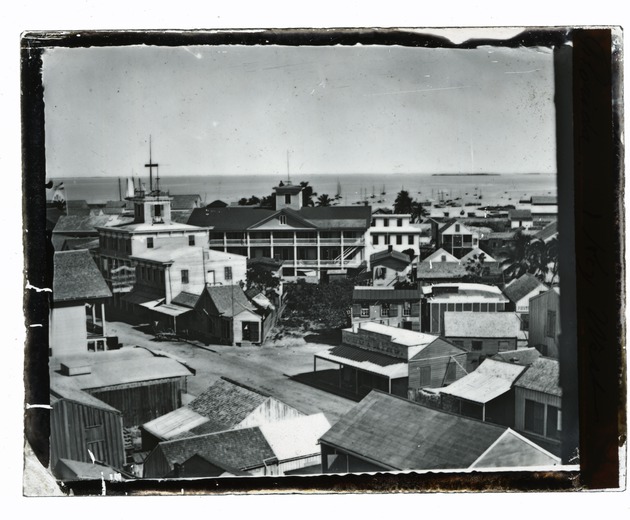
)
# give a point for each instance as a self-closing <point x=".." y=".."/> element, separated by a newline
<point x="265" y="368"/>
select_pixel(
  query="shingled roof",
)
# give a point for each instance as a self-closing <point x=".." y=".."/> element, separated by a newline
<point x="229" y="300"/>
<point x="77" y="278"/>
<point x="87" y="224"/>
<point x="185" y="201"/>
<point x="521" y="287"/>
<point x="543" y="376"/>
<point x="481" y="325"/>
<point x="440" y="270"/>
<point x="399" y="434"/>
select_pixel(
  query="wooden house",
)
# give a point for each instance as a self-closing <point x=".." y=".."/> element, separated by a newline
<point x="538" y="403"/>
<point x="457" y="297"/>
<point x="268" y="449"/>
<point x="141" y="385"/>
<point x="520" y="218"/>
<point x="388" y="433"/>
<point x="387" y="306"/>
<point x="77" y="315"/>
<point x="544" y="322"/>
<point x="225" y="405"/>
<point x="457" y="239"/>
<point x="520" y="291"/>
<point x="486" y="394"/>
<point x="82" y="426"/>
<point x="484" y="334"/>
<point x="389" y="267"/>
<point x="389" y="359"/>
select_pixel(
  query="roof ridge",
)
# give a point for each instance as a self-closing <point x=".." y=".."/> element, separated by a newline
<point x="246" y="387"/>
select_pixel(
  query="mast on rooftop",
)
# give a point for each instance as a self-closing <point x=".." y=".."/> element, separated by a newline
<point x="151" y="165"/>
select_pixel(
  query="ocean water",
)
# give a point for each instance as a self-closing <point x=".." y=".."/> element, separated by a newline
<point x="378" y="190"/>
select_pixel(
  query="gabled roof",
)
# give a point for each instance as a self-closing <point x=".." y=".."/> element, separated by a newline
<point x="242" y="449"/>
<point x="217" y="204"/>
<point x="491" y="380"/>
<point x="69" y="469"/>
<point x="393" y="255"/>
<point x="520" y="214"/>
<point x="548" y="232"/>
<point x="521" y="356"/>
<point x="296" y="437"/>
<point x="462" y="292"/>
<point x="66" y="388"/>
<point x="482" y="325"/>
<point x="521" y="287"/>
<point x="77" y="278"/>
<point x="84" y="224"/>
<point x="339" y="217"/>
<point x="399" y="434"/>
<point x="236" y="218"/>
<point x="229" y="300"/>
<point x="186" y="299"/>
<point x="72" y="244"/>
<point x="487" y="259"/>
<point x="385" y="295"/>
<point x="543" y="375"/>
<point x="440" y="270"/>
<point x="437" y="255"/>
<point x="185" y="201"/>
<point x="405" y="337"/>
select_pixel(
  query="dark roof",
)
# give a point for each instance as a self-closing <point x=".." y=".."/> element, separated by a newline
<point x="226" y="404"/>
<point x="548" y="231"/>
<point x="522" y="356"/>
<point x="359" y="354"/>
<point x="400" y="434"/>
<point x="186" y="299"/>
<point x="543" y="376"/>
<point x="116" y="204"/>
<point x="87" y="224"/>
<point x="440" y="270"/>
<point x="272" y="264"/>
<point x="520" y="214"/>
<point x="181" y="216"/>
<point x="386" y="295"/>
<point x="288" y="188"/>
<point x="73" y="243"/>
<point x="381" y="256"/>
<point x="76" y="277"/>
<point x="229" y="300"/>
<point x="77" y="203"/>
<point x="544" y="199"/>
<point x="185" y="201"/>
<point x="241" y="449"/>
<point x="65" y="388"/>
<point x="240" y="218"/>
<point x="217" y="204"/>
<point x="522" y="286"/>
<point x="230" y="218"/>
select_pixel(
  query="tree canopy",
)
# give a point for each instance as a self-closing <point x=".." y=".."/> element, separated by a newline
<point x="323" y="200"/>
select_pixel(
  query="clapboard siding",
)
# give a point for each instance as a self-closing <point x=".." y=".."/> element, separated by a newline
<point x="538" y="326"/>
<point x="521" y="394"/>
<point x="144" y="401"/>
<point x="437" y="356"/>
<point x="69" y="420"/>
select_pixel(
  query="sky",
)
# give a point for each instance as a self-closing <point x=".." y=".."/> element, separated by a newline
<point x="263" y="109"/>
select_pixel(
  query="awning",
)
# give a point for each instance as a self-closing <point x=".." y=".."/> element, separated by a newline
<point x="169" y="309"/>
<point x="367" y="361"/>
<point x="143" y="297"/>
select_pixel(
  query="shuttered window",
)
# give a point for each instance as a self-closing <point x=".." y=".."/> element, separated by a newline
<point x="356" y="310"/>
<point x="534" y="417"/>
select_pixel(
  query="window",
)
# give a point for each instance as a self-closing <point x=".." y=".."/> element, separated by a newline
<point x="551" y="324"/>
<point x="399" y="222"/>
<point x="406" y="309"/>
<point x="457" y="226"/>
<point x="365" y="311"/>
<point x="385" y="222"/>
<point x="375" y="240"/>
<point x="287" y="198"/>
<point x="149" y="242"/>
<point x="191" y="240"/>
<point x="554" y="422"/>
<point x="227" y="273"/>
<point x="385" y="309"/>
<point x="534" y="417"/>
<point x="399" y="239"/>
<point x="184" y="275"/>
<point x="410" y="239"/>
<point x="467" y="307"/>
<point x="282" y="219"/>
<point x="425" y="376"/>
<point x="477" y="345"/>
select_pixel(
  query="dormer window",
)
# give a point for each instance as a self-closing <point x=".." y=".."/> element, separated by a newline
<point x="283" y="218"/>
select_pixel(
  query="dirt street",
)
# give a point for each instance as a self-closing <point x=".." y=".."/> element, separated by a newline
<point x="265" y="368"/>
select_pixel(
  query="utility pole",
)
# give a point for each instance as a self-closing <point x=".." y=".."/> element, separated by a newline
<point x="151" y="165"/>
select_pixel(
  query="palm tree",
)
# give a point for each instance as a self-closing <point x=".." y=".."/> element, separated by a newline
<point x="403" y="203"/>
<point x="307" y="194"/>
<point x="323" y="200"/>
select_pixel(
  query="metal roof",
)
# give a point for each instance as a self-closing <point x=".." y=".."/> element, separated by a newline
<point x="491" y="380"/>
<point x="481" y="325"/>
<point x="522" y="286"/>
<point x="297" y="437"/>
<point x="385" y="294"/>
<point x="367" y="361"/>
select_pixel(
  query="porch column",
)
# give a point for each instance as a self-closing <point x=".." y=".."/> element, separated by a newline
<point x="102" y="318"/>
<point x="319" y="267"/>
<point x="249" y="251"/>
<point x="295" y="256"/>
<point x="342" y="251"/>
<point x="389" y="381"/>
<point x="314" y="364"/>
<point x="93" y="314"/>
<point x="271" y="243"/>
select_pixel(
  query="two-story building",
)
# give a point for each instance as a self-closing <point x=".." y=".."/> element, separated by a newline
<point x="387" y="306"/>
<point x="396" y="231"/>
<point x="520" y="291"/>
<point x="457" y="239"/>
<point x="389" y="267"/>
<point x="309" y="240"/>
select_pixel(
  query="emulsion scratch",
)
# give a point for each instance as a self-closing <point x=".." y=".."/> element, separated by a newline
<point x="520" y="71"/>
<point x="418" y="90"/>
<point x="36" y="325"/>
<point x="38" y="289"/>
<point x="45" y="406"/>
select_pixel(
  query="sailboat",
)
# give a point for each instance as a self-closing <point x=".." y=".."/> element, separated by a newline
<point x="383" y="191"/>
<point x="338" y="196"/>
<point x="373" y="196"/>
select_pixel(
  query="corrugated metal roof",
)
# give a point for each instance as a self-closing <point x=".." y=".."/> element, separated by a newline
<point x="359" y="354"/>
<point x="77" y="278"/>
<point x="403" y="435"/>
<point x="173" y="423"/>
<point x="297" y="437"/>
<point x="367" y="360"/>
<point x="386" y="295"/>
<point x="408" y="338"/>
<point x="543" y="375"/>
<point x="481" y="325"/>
<point x="491" y="380"/>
